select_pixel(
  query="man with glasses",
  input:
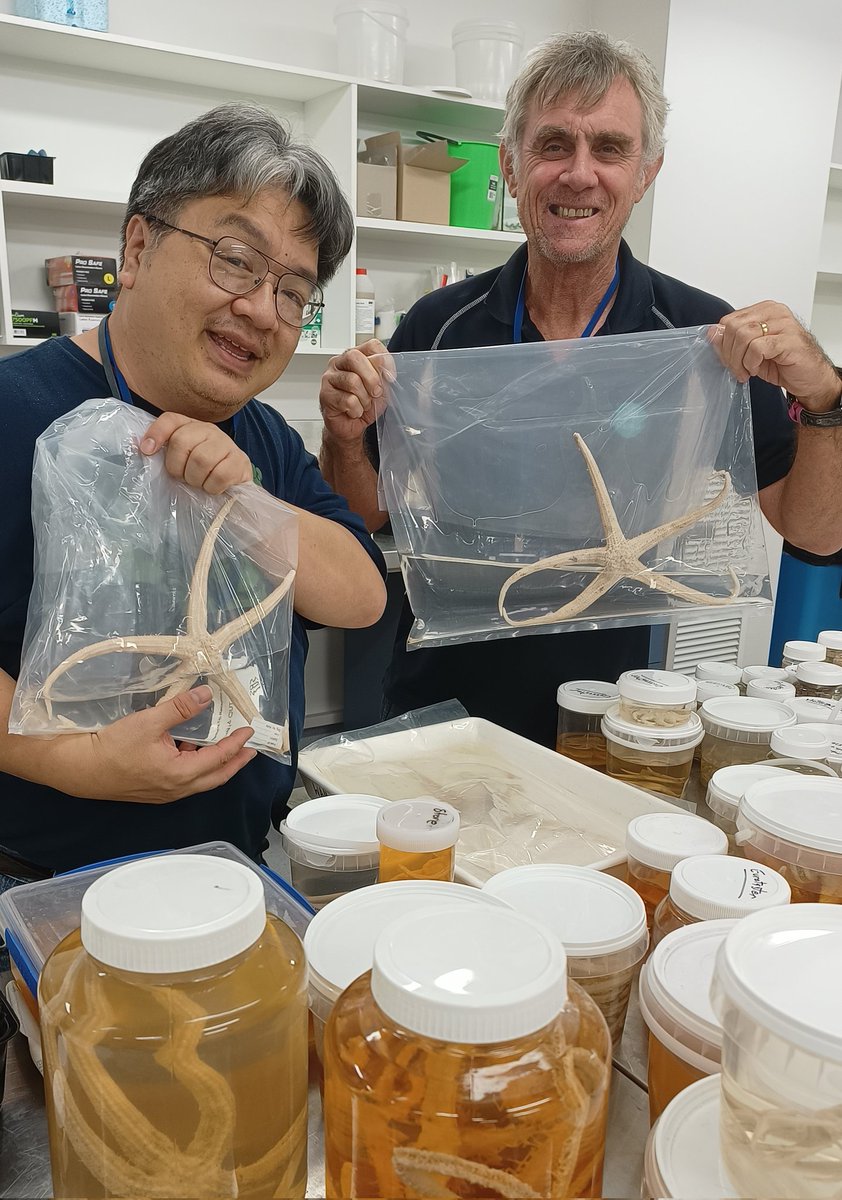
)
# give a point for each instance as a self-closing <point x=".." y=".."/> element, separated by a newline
<point x="231" y="231"/>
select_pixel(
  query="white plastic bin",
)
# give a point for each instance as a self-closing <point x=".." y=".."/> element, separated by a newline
<point x="332" y="845"/>
<point x="682" y="1158"/>
<point x="371" y="39"/>
<point x="487" y="57"/>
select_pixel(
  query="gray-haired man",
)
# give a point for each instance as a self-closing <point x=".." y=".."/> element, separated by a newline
<point x="231" y="231"/>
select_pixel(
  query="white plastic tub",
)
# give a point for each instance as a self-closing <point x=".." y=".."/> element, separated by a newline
<point x="371" y="39"/>
<point x="682" y="1159"/>
<point x="518" y="802"/>
<point x="332" y="845"/>
<point x="487" y="57"/>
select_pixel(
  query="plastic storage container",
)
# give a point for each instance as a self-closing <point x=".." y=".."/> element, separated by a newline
<point x="332" y="845"/>
<point x="660" y="699"/>
<point x="465" y="1063"/>
<point x="831" y="639"/>
<point x="371" y="39"/>
<point x="738" y="731"/>
<point x="417" y="840"/>
<point x="726" y="788"/>
<point x="174" y="1030"/>
<point x="655" y="842"/>
<point x="685" y="1037"/>
<point x="795" y="825"/>
<point x="714" y="887"/>
<point x="710" y="689"/>
<point x="770" y="689"/>
<point x="810" y="709"/>
<point x="719" y="672"/>
<point x="797" y="652"/>
<point x="820" y="679"/>
<point x="658" y="759"/>
<point x="761" y="672"/>
<point x="339" y="942"/>
<point x="833" y="731"/>
<point x="599" y="920"/>
<point x="777" y="991"/>
<point x="802" y="747"/>
<point x="682" y="1160"/>
<point x="581" y="706"/>
<point x="487" y="57"/>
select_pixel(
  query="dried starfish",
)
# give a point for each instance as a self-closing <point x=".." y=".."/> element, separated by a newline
<point x="200" y="653"/>
<point x="619" y="558"/>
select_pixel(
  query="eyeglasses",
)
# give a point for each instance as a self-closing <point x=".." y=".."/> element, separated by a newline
<point x="239" y="269"/>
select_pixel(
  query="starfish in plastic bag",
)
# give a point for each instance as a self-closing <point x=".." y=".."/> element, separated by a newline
<point x="199" y="652"/>
<point x="620" y="557"/>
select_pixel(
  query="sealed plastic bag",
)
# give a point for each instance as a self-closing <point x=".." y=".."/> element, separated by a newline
<point x="570" y="485"/>
<point x="145" y="586"/>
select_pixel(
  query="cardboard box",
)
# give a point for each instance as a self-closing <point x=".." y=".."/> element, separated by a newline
<point x="377" y="177"/>
<point x="71" y="323"/>
<point x="424" y="183"/>
<point x="82" y="299"/>
<point x="89" y="270"/>
<point x="32" y="323"/>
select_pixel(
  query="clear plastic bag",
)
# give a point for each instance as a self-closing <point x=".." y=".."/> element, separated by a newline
<point x="144" y="587"/>
<point x="528" y="485"/>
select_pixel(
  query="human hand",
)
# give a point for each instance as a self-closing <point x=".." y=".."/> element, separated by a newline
<point x="767" y="340"/>
<point x="197" y="452"/>
<point x="351" y="393"/>
<point x="137" y="760"/>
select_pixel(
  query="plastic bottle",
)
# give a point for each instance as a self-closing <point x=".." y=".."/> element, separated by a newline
<point x="417" y="840"/>
<point x="364" y="320"/>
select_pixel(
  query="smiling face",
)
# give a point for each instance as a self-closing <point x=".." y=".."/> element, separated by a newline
<point x="579" y="174"/>
<point x="189" y="346"/>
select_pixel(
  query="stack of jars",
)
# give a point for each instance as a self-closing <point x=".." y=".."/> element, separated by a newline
<point x="652" y="731"/>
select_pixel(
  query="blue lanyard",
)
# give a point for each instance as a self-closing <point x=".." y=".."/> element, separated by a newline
<point x="116" y="379"/>
<point x="520" y="307"/>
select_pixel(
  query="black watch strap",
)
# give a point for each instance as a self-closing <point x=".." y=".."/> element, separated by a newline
<point x="825" y="420"/>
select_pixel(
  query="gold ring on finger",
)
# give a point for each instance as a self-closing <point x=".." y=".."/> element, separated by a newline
<point x="764" y="328"/>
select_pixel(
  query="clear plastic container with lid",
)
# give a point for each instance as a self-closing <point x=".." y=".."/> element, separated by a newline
<point x="714" y="887"/>
<point x="655" y="842"/>
<point x="776" y="991"/>
<point x="332" y="845"/>
<point x="465" y="1063"/>
<point x="832" y="730"/>
<point x="709" y="689"/>
<point x="600" y="921"/>
<point x="820" y="679"/>
<point x="682" y="1160"/>
<point x="794" y="824"/>
<point x="417" y="840"/>
<point x="738" y="730"/>
<point x="831" y="639"/>
<point x="804" y="748"/>
<point x="685" y="1036"/>
<point x="761" y="672"/>
<point x="659" y="699"/>
<point x="726" y="788"/>
<point x="718" y="672"/>
<point x="810" y="709"/>
<point x="658" y="759"/>
<point x="174" y="1029"/>
<point x="796" y="652"/>
<point x="770" y="689"/>
<point x="581" y="707"/>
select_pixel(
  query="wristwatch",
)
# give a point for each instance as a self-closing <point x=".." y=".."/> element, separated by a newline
<point x="802" y="416"/>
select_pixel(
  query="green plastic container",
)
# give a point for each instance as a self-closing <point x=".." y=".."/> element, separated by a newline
<point x="476" y="190"/>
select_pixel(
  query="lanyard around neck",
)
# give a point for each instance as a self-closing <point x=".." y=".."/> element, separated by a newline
<point x="520" y="307"/>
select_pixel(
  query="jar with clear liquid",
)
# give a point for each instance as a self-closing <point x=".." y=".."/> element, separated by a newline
<point x="659" y="760"/>
<point x="581" y="707"/>
<point x="449" y="1071"/>
<point x="417" y="840"/>
<point x="174" y="1030"/>
<point x="738" y="730"/>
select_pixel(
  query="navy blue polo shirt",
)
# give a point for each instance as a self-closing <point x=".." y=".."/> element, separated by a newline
<point x="513" y="681"/>
<point x="57" y="831"/>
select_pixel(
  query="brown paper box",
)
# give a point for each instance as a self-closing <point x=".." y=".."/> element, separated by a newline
<point x="424" y="183"/>
<point x="377" y="177"/>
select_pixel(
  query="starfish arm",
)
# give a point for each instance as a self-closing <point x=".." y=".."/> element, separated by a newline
<point x="147" y="644"/>
<point x="681" y="591"/>
<point x="226" y="635"/>
<point x="228" y="683"/>
<point x="197" y="599"/>
<point x="555" y="562"/>
<point x="603" y="500"/>
<point x="596" y="588"/>
<point x="645" y="541"/>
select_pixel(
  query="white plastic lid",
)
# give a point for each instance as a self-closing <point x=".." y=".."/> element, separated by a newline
<point x="501" y="31"/>
<point x="591" y="913"/>
<point x="657" y="687"/>
<point x="719" y="672"/>
<point x="801" y="741"/>
<point x="684" y="1144"/>
<point x="823" y="674"/>
<point x="419" y="826"/>
<point x="655" y="738"/>
<point x="345" y="823"/>
<point x="179" y="912"/>
<point x="832" y="730"/>
<point x="708" y="689"/>
<point x="339" y="941"/>
<point x="783" y="969"/>
<point x="587" y="696"/>
<point x="763" y="672"/>
<point x="715" y="886"/>
<point x="799" y="808"/>
<point x="675" y="982"/>
<point x="770" y="689"/>
<point x="809" y="709"/>
<point x="469" y="975"/>
<point x="804" y="651"/>
<point x="660" y="840"/>
<point x="746" y="714"/>
<point x="727" y="786"/>
<point x="830" y="638"/>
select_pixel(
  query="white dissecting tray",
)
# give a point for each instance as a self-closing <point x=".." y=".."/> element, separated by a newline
<point x="519" y="802"/>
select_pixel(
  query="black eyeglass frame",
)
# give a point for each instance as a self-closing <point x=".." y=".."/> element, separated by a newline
<point x="313" y="305"/>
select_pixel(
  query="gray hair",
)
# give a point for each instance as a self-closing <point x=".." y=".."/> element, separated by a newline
<point x="238" y="150"/>
<point x="585" y="63"/>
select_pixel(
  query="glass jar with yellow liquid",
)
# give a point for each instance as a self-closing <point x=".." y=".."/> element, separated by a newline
<point x="417" y="840"/>
<point x="712" y="887"/>
<point x="465" y="1064"/>
<point x="174" y="1030"/>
